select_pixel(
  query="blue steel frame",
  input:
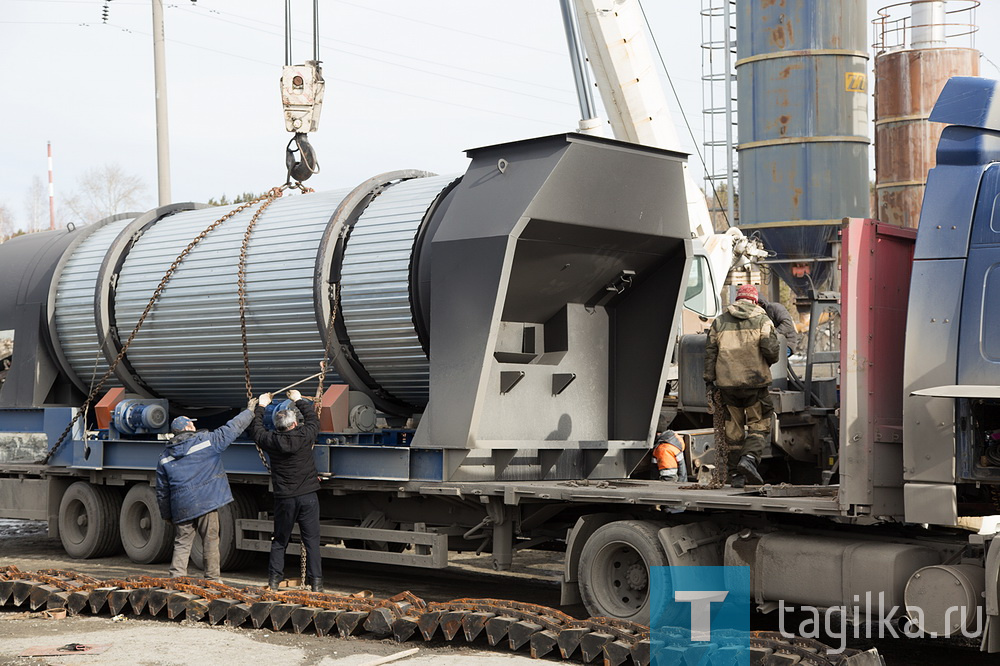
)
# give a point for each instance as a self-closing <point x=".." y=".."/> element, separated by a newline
<point x="381" y="455"/>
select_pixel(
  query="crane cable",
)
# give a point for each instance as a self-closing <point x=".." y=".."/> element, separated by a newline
<point x="694" y="141"/>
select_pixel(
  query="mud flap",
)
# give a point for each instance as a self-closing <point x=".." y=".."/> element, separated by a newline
<point x="577" y="536"/>
<point x="694" y="544"/>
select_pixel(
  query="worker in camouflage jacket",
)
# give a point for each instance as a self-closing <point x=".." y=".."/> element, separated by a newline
<point x="741" y="348"/>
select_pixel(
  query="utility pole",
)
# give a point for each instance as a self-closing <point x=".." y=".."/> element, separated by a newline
<point x="160" y="78"/>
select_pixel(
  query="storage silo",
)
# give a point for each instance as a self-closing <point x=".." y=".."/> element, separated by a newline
<point x="803" y="121"/>
<point x="918" y="47"/>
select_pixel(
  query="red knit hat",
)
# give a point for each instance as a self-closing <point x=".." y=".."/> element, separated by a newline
<point x="747" y="291"/>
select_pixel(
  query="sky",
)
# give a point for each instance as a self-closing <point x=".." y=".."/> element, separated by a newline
<point x="410" y="84"/>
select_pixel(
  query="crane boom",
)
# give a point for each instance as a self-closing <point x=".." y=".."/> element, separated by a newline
<point x="614" y="36"/>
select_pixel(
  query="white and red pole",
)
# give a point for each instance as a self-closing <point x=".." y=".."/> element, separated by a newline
<point x="52" y="194"/>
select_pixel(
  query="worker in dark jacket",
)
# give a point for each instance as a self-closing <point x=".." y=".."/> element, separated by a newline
<point x="295" y="482"/>
<point x="782" y="320"/>
<point x="191" y="486"/>
<point x="741" y="348"/>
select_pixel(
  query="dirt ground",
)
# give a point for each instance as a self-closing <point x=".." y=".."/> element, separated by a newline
<point x="155" y="642"/>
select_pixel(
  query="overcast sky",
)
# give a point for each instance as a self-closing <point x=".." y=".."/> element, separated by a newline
<point x="410" y="84"/>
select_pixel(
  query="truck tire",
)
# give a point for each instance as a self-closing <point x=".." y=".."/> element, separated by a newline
<point x="244" y="505"/>
<point x="88" y="520"/>
<point x="614" y="569"/>
<point x="147" y="538"/>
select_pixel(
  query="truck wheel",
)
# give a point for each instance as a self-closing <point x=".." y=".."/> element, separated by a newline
<point x="147" y="538"/>
<point x="88" y="520"/>
<point x="614" y="569"/>
<point x="230" y="559"/>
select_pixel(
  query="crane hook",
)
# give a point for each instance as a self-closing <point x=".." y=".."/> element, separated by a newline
<point x="304" y="164"/>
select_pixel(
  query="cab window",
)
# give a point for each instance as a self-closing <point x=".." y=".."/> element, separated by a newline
<point x="700" y="297"/>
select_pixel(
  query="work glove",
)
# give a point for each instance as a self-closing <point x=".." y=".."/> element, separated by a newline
<point x="294" y="395"/>
<point x="252" y="404"/>
<point x="264" y="400"/>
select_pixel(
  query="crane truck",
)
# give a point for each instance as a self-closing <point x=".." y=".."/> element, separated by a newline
<point x="499" y="343"/>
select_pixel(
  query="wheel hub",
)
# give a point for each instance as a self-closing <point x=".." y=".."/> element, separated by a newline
<point x="636" y="576"/>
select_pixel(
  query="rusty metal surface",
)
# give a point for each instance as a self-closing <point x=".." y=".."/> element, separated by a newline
<point x="907" y="84"/>
<point x="803" y="119"/>
<point x="523" y="625"/>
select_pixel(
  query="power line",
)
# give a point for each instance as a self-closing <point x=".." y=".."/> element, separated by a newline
<point x="680" y="107"/>
<point x="450" y="29"/>
<point x="329" y="42"/>
<point x="348" y="81"/>
<point x="395" y="64"/>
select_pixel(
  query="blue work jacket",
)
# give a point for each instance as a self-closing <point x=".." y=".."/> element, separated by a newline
<point x="190" y="479"/>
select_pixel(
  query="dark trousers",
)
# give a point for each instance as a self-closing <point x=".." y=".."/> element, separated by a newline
<point x="748" y="422"/>
<point x="303" y="510"/>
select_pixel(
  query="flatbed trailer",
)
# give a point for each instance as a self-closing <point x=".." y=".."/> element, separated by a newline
<point x="536" y="286"/>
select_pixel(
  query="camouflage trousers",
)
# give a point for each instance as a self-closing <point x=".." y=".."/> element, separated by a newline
<point x="748" y="422"/>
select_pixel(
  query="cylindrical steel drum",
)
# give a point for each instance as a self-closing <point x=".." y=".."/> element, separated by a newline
<point x="803" y="119"/>
<point x="357" y="246"/>
<point x="907" y="83"/>
<point x="74" y="335"/>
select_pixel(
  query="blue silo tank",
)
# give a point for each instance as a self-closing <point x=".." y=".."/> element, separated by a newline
<point x="803" y="127"/>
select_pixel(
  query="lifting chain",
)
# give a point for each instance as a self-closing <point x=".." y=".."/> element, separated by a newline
<point x="335" y="304"/>
<point x="152" y="302"/>
<point x="241" y="289"/>
<point x="241" y="284"/>
<point x="721" y="470"/>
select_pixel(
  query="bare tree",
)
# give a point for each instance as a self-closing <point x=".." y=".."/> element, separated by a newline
<point x="104" y="191"/>
<point x="7" y="224"/>
<point x="36" y="208"/>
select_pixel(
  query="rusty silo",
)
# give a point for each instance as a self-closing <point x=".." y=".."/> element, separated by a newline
<point x="803" y="120"/>
<point x="918" y="47"/>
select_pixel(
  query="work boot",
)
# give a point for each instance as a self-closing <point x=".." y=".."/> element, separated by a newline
<point x="273" y="582"/>
<point x="738" y="481"/>
<point x="747" y="466"/>
<point x="316" y="585"/>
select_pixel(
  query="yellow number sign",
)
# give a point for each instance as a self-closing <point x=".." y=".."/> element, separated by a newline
<point x="855" y="82"/>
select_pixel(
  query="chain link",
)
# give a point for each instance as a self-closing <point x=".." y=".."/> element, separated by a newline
<point x="302" y="560"/>
<point x="335" y="298"/>
<point x="241" y="284"/>
<point x="149" y="307"/>
<point x="721" y="471"/>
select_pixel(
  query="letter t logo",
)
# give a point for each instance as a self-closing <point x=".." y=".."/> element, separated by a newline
<point x="701" y="610"/>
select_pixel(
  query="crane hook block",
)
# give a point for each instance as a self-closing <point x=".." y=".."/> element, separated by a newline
<point x="302" y="96"/>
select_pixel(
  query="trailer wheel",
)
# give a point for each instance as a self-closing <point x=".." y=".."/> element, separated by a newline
<point x="230" y="559"/>
<point x="88" y="520"/>
<point x="147" y="538"/>
<point x="614" y="569"/>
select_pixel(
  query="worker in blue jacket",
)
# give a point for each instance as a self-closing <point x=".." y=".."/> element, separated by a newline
<point x="191" y="486"/>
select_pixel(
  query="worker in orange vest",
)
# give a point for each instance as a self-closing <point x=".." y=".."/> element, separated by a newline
<point x="669" y="457"/>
